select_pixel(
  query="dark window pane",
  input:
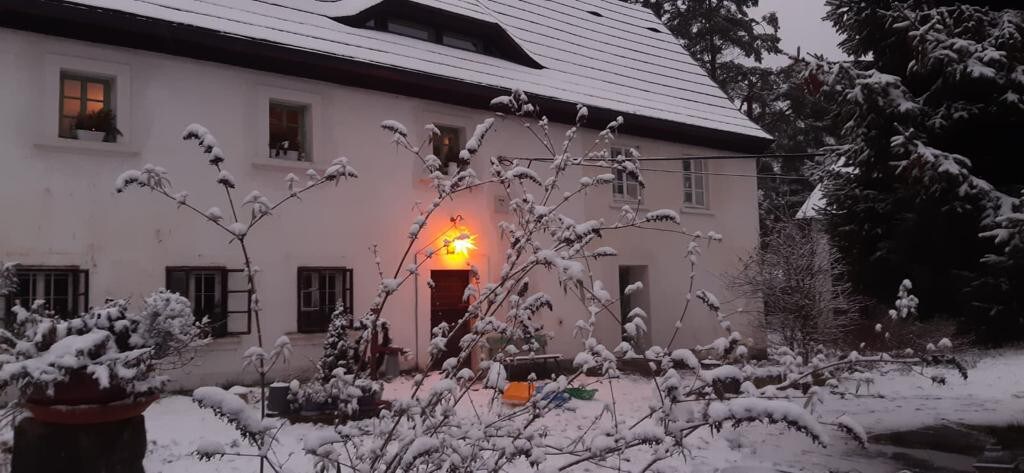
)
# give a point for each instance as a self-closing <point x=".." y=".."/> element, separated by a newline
<point x="177" y="282"/>
<point x="456" y="40"/>
<point x="410" y="29"/>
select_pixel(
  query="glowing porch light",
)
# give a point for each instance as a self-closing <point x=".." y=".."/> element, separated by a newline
<point x="461" y="244"/>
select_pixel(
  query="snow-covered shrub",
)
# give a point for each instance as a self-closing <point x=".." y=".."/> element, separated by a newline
<point x="8" y="278"/>
<point x="800" y="283"/>
<point x="117" y="348"/>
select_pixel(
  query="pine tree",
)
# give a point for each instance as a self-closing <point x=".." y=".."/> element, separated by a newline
<point x="791" y="112"/>
<point x="715" y="32"/>
<point x="341" y="349"/>
<point x="930" y="125"/>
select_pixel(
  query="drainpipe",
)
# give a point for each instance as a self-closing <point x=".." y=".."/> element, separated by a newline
<point x="416" y="308"/>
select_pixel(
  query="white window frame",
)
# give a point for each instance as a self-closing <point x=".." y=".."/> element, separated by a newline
<point x="313" y="125"/>
<point x="695" y="183"/>
<point x="622" y="180"/>
<point x="119" y="76"/>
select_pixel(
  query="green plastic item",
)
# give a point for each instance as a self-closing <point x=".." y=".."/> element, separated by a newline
<point x="581" y="393"/>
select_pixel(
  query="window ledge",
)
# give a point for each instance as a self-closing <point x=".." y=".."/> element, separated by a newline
<point x="65" y="145"/>
<point x="270" y="163"/>
<point x="633" y="204"/>
<point x="307" y="339"/>
<point x="696" y="211"/>
<point x="225" y="343"/>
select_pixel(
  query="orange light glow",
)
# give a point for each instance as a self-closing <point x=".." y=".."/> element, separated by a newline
<point x="460" y="244"/>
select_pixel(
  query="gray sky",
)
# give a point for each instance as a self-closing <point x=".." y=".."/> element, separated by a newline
<point x="800" y="24"/>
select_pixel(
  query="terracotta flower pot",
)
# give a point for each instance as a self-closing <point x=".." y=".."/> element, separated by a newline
<point x="91" y="413"/>
<point x="80" y="400"/>
<point x="80" y="388"/>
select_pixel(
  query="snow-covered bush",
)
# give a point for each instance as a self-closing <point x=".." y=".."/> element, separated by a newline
<point x="117" y="348"/>
<point x="8" y="278"/>
<point x="800" y="282"/>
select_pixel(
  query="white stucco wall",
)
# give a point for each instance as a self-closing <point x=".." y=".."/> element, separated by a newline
<point x="58" y="205"/>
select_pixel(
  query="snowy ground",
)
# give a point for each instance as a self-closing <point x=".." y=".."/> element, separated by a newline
<point x="994" y="395"/>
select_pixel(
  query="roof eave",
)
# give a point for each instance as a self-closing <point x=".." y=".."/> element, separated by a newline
<point x="112" y="27"/>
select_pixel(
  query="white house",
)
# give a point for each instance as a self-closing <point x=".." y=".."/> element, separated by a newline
<point x="288" y="85"/>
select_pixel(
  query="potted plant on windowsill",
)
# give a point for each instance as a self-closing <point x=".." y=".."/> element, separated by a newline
<point x="99" y="125"/>
<point x="100" y="366"/>
<point x="286" y="149"/>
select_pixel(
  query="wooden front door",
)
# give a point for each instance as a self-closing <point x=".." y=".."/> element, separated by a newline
<point x="447" y="306"/>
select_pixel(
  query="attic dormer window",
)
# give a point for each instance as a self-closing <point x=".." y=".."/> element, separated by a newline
<point x="433" y="33"/>
<point x="450" y="27"/>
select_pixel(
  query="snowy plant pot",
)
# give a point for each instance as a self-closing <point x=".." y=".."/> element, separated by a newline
<point x="80" y="399"/>
<point x="90" y="135"/>
<point x="312" y="407"/>
<point x="286" y="155"/>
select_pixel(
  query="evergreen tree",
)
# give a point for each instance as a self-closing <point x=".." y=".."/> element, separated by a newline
<point x="797" y="118"/>
<point x="716" y="32"/>
<point x="930" y="121"/>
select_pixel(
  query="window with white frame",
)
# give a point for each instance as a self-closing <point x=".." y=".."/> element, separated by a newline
<point x="64" y="291"/>
<point x="695" y="183"/>
<point x="625" y="188"/>
<point x="289" y="131"/>
<point x="321" y="291"/>
<point x="87" y="107"/>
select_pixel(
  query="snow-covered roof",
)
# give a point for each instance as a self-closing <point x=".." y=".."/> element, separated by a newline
<point x="813" y="205"/>
<point x="605" y="54"/>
